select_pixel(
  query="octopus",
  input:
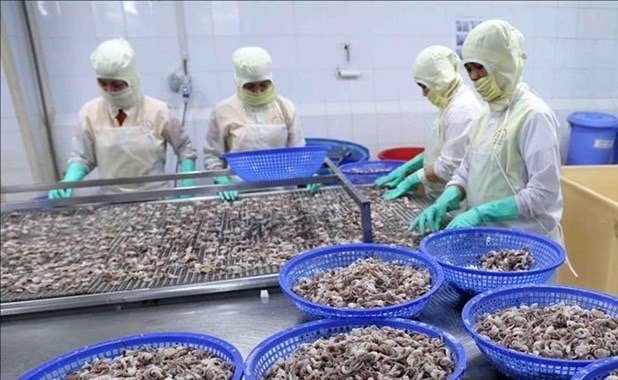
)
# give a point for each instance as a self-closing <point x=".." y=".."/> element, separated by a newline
<point x="505" y="260"/>
<point x="177" y="362"/>
<point x="558" y="331"/>
<point x="366" y="283"/>
<point x="147" y="245"/>
<point x="367" y="353"/>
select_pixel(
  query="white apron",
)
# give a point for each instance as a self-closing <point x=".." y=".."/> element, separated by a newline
<point x="260" y="136"/>
<point x="130" y="151"/>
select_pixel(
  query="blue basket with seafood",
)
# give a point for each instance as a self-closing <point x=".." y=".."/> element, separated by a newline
<point x="277" y="164"/>
<point x="311" y="262"/>
<point x="63" y="365"/>
<point x="521" y="365"/>
<point x="459" y="250"/>
<point x="599" y="370"/>
<point x="282" y="345"/>
<point x="360" y="173"/>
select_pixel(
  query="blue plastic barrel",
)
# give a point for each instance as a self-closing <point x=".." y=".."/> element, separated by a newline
<point x="592" y="138"/>
<point x="616" y="150"/>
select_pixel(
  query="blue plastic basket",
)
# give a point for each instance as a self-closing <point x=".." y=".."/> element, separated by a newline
<point x="455" y="249"/>
<point x="341" y="152"/>
<point x="61" y="366"/>
<point x="598" y="370"/>
<point x="309" y="262"/>
<point x="276" y="164"/>
<point x="520" y="365"/>
<point x="361" y="173"/>
<point x="283" y="344"/>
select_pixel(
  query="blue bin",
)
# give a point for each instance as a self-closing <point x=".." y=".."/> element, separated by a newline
<point x="616" y="150"/>
<point x="340" y="151"/>
<point x="592" y="138"/>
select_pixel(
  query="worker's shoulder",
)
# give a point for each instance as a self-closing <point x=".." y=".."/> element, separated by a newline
<point x="465" y="106"/>
<point x="285" y="102"/>
<point x="231" y="102"/>
<point x="155" y="105"/>
<point x="92" y="106"/>
<point x="534" y="103"/>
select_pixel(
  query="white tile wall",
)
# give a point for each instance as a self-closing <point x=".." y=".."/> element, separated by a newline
<point x="572" y="48"/>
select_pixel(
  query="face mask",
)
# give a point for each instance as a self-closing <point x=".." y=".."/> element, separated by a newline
<point x="488" y="88"/>
<point x="260" y="99"/>
<point x="122" y="99"/>
<point x="437" y="99"/>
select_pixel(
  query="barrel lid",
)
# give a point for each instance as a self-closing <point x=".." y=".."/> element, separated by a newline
<point x="594" y="119"/>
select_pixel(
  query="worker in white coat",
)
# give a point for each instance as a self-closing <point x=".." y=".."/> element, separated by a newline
<point x="436" y="72"/>
<point x="122" y="132"/>
<point x="510" y="175"/>
<point x="256" y="117"/>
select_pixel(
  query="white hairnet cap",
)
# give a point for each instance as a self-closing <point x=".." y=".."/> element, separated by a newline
<point x="115" y="59"/>
<point x="499" y="47"/>
<point x="252" y="64"/>
<point x="436" y="68"/>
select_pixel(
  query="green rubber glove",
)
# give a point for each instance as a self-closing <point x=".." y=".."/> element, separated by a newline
<point x="410" y="183"/>
<point x="430" y="219"/>
<point x="494" y="211"/>
<point x="227" y="196"/>
<point x="75" y="172"/>
<point x="313" y="188"/>
<point x="393" y="178"/>
<point x="187" y="165"/>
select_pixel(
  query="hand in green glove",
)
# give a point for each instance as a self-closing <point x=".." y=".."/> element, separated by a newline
<point x="187" y="165"/>
<point x="410" y="183"/>
<point x="75" y="172"/>
<point x="430" y="219"/>
<point x="494" y="211"/>
<point x="313" y="188"/>
<point x="393" y="178"/>
<point x="227" y="196"/>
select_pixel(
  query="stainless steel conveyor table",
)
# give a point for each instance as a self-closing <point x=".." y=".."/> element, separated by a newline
<point x="242" y="318"/>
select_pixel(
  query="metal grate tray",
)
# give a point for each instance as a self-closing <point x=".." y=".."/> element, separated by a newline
<point x="157" y="250"/>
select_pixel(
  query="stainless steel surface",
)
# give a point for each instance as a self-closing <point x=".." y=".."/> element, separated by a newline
<point x="241" y="318"/>
<point x="187" y="283"/>
<point x="86" y="300"/>
<point x="147" y="195"/>
<point x="193" y="191"/>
